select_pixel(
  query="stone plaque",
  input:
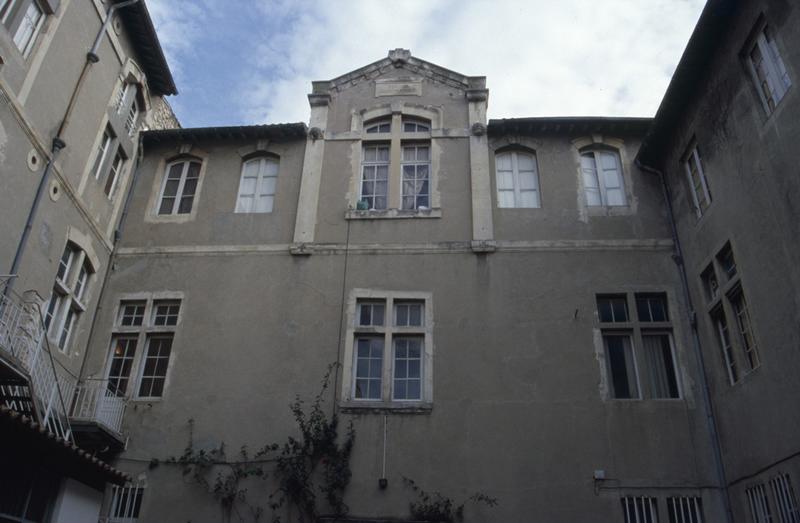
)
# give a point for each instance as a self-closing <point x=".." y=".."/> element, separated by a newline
<point x="398" y="87"/>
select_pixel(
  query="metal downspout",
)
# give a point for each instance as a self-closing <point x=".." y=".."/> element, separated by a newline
<point x="692" y="316"/>
<point x="112" y="258"/>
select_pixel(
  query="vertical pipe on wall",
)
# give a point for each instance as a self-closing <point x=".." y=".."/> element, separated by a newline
<point x="711" y="421"/>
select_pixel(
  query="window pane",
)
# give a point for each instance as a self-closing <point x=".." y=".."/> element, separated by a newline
<point x="652" y="307"/>
<point x="155" y="365"/>
<point x="407" y="362"/>
<point x="621" y="366"/>
<point x="369" y="368"/>
<point x="612" y="308"/>
<point x="660" y="366"/>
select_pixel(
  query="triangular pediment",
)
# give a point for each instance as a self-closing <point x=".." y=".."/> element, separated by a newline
<point x="400" y="64"/>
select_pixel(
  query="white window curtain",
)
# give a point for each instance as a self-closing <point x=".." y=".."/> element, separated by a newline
<point x="658" y="359"/>
<point x="28" y="28"/>
<point x="602" y="178"/>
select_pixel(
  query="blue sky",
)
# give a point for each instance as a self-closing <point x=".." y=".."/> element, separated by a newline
<point x="252" y="61"/>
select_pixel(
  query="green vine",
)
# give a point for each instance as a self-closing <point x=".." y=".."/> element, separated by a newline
<point x="306" y="467"/>
<point x="433" y="506"/>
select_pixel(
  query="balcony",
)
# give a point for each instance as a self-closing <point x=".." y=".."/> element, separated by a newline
<point x="96" y="415"/>
<point x="31" y="381"/>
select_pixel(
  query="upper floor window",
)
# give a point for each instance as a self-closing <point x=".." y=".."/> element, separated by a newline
<point x="698" y="184"/>
<point x="767" y="68"/>
<point x="127" y="106"/>
<point x="23" y="19"/>
<point x="179" y="187"/>
<point x="416" y="166"/>
<point x="517" y="180"/>
<point x="397" y="167"/>
<point x="257" y="185"/>
<point x="602" y="178"/>
<point x="68" y="300"/>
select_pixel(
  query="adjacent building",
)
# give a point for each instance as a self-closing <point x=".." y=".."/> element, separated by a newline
<point x="582" y="318"/>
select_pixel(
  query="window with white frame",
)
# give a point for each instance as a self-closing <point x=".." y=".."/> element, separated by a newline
<point x="767" y="68"/>
<point x="416" y="167"/>
<point x="390" y="349"/>
<point x="685" y="509"/>
<point x="70" y="292"/>
<point x="24" y="20"/>
<point x="785" y="500"/>
<point x="179" y="187"/>
<point x="603" y="181"/>
<point x="517" y="180"/>
<point x="375" y="176"/>
<point x="640" y="509"/>
<point x="257" y="185"/>
<point x="131" y="119"/>
<point x="729" y="315"/>
<point x="102" y="152"/>
<point x="639" y="353"/>
<point x="759" y="504"/>
<point x="396" y="165"/>
<point x="698" y="184"/>
<point x="114" y="172"/>
<point x="141" y="346"/>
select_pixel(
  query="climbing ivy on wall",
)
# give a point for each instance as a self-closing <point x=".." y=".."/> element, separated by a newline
<point x="304" y="469"/>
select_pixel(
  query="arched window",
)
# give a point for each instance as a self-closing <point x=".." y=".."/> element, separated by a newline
<point x="257" y="185"/>
<point x="380" y="126"/>
<point x="517" y="180"/>
<point x="602" y="177"/>
<point x="180" y="185"/>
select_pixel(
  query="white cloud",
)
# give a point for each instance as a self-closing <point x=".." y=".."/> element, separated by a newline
<point x="572" y="57"/>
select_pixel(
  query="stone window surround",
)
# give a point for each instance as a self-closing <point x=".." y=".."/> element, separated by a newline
<point x="751" y="42"/>
<point x="142" y="332"/>
<point x="184" y="151"/>
<point x="580" y="145"/>
<point x="635" y="327"/>
<point x="85" y="254"/>
<point x="396" y="111"/>
<point x="520" y="145"/>
<point x="347" y="401"/>
<point x="728" y="289"/>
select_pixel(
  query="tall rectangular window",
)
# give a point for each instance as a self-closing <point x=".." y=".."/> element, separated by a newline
<point x="701" y="195"/>
<point x="29" y="19"/>
<point x="102" y="152"/>
<point x="375" y="176"/>
<point x="126" y="503"/>
<point x="745" y="330"/>
<point x="391" y="360"/>
<point x="155" y="365"/>
<point x="142" y="373"/>
<point x="768" y="69"/>
<point x="640" y="357"/>
<point x="69" y="296"/>
<point x="123" y="352"/>
<point x="724" y="340"/>
<point x="114" y="172"/>
<point x="416" y="166"/>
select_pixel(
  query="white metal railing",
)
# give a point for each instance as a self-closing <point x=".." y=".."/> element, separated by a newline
<point x="94" y="401"/>
<point x="22" y="337"/>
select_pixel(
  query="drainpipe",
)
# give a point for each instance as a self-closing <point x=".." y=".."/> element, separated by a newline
<point x="692" y="317"/>
<point x="59" y="143"/>
<point x="112" y="258"/>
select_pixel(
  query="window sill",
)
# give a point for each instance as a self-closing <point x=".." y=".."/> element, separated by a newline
<point x="378" y="407"/>
<point x="392" y="214"/>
